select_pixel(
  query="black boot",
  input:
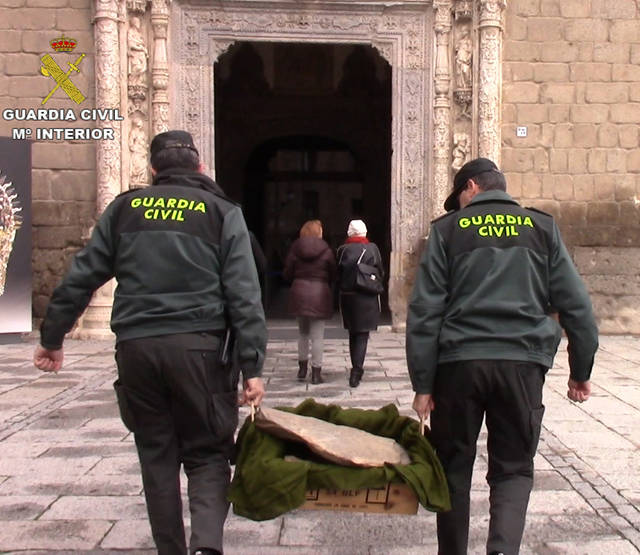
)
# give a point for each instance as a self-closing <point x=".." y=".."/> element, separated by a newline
<point x="355" y="376"/>
<point x="302" y="369"/>
<point x="316" y="377"/>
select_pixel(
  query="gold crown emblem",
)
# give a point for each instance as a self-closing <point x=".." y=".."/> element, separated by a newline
<point x="63" y="44"/>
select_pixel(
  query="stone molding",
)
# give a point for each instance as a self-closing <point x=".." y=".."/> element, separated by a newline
<point x="437" y="122"/>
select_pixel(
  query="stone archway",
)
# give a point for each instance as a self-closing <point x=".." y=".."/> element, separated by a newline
<point x="445" y="57"/>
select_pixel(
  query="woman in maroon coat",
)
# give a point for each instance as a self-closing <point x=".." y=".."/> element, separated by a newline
<point x="311" y="267"/>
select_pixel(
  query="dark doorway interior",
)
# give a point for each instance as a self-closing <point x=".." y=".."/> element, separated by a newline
<point x="303" y="132"/>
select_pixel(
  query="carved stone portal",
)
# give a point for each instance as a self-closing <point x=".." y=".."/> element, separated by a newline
<point x="445" y="97"/>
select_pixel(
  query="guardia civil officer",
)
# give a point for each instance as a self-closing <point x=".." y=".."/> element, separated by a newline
<point x="480" y="340"/>
<point x="181" y="255"/>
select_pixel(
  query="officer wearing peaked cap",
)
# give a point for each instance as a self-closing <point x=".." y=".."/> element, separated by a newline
<point x="480" y="340"/>
<point x="181" y="254"/>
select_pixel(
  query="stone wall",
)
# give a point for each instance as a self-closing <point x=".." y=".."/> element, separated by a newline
<point x="571" y="73"/>
<point x="63" y="175"/>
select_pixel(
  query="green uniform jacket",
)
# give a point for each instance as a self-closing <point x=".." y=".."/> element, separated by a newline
<point x="488" y="278"/>
<point x="181" y="255"/>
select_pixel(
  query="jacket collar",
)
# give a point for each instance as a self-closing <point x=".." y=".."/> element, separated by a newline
<point x="187" y="178"/>
<point x="493" y="195"/>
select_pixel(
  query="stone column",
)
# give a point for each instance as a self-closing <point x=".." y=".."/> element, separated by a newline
<point x="490" y="78"/>
<point x="441" y="107"/>
<point x="108" y="15"/>
<point x="160" y="67"/>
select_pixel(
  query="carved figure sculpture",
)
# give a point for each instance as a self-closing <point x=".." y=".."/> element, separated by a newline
<point x="464" y="58"/>
<point x="460" y="150"/>
<point x="137" y="53"/>
<point x="138" y="149"/>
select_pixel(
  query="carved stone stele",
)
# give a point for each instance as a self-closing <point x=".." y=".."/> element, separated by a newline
<point x="342" y="445"/>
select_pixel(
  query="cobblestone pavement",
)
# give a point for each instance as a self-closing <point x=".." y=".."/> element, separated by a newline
<point x="69" y="478"/>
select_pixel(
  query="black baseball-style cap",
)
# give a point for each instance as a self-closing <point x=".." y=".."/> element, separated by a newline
<point x="172" y="139"/>
<point x="466" y="172"/>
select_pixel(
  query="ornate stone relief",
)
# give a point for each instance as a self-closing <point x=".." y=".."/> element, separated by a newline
<point x="108" y="78"/>
<point x="490" y="78"/>
<point x="461" y="150"/>
<point x="442" y="105"/>
<point x="137" y="90"/>
<point x="160" y="68"/>
<point x="400" y="35"/>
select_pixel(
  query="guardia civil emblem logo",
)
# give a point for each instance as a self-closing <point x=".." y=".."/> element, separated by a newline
<point x="51" y="69"/>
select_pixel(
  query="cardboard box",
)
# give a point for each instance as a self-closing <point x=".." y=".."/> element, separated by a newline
<point x="391" y="499"/>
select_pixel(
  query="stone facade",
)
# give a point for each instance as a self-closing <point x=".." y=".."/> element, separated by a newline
<point x="567" y="70"/>
<point x="571" y="72"/>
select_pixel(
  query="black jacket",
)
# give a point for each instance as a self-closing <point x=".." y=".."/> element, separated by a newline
<point x="360" y="311"/>
<point x="181" y="255"/>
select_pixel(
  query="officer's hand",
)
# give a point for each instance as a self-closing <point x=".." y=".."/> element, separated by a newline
<point x="253" y="392"/>
<point x="423" y="404"/>
<point x="579" y="391"/>
<point x="48" y="360"/>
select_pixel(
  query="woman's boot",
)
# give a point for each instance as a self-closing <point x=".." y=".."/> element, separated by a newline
<point x="355" y="376"/>
<point x="302" y="369"/>
<point x="315" y="375"/>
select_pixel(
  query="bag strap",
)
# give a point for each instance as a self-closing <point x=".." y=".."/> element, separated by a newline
<point x="361" y="255"/>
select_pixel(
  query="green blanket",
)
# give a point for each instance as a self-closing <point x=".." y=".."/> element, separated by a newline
<point x="265" y="486"/>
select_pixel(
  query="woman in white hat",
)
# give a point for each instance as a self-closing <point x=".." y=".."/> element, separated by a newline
<point x="359" y="302"/>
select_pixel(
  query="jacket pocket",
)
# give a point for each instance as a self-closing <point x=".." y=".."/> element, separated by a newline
<point x="123" y="404"/>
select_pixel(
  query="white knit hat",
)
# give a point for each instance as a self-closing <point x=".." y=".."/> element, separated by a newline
<point x="357" y="228"/>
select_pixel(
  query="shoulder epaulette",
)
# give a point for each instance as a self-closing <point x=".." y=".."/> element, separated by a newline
<point x="538" y="210"/>
<point x="451" y="213"/>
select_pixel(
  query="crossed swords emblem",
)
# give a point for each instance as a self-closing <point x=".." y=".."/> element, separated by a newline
<point x="51" y="69"/>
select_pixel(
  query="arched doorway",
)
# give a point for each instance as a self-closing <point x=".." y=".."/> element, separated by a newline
<point x="303" y="131"/>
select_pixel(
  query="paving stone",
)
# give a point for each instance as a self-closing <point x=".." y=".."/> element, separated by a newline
<point x="598" y="547"/>
<point x="97" y="508"/>
<point x="23" y="507"/>
<point x="68" y="452"/>
<point x="129" y="535"/>
<point x="76" y="535"/>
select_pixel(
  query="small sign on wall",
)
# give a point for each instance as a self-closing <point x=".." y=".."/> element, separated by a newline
<point x="15" y="235"/>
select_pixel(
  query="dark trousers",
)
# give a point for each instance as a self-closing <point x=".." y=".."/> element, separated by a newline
<point x="358" y="348"/>
<point x="509" y="394"/>
<point x="181" y="405"/>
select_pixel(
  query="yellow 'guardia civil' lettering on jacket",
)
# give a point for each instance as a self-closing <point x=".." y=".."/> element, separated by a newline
<point x="496" y="225"/>
<point x="160" y="208"/>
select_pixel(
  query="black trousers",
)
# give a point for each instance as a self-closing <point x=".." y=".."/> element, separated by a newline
<point x="509" y="395"/>
<point x="358" y="348"/>
<point x="181" y="405"/>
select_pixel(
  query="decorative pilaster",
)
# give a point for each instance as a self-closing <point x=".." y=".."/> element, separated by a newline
<point x="441" y="107"/>
<point x="137" y="95"/>
<point x="160" y="67"/>
<point x="107" y="69"/>
<point x="490" y="78"/>
<point x="107" y="18"/>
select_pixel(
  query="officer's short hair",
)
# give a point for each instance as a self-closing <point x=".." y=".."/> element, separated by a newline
<point x="489" y="180"/>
